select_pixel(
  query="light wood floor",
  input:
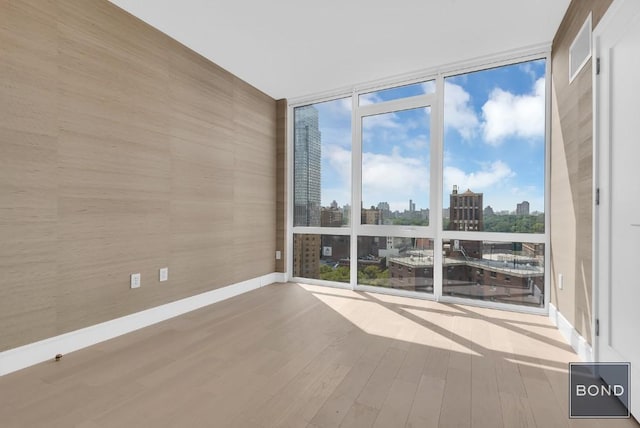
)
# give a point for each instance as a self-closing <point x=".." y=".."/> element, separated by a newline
<point x="304" y="356"/>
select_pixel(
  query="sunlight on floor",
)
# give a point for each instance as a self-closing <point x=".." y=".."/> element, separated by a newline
<point x="385" y="316"/>
<point x="464" y="329"/>
<point x="538" y="366"/>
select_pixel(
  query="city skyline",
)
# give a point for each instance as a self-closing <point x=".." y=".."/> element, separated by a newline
<point x="494" y="142"/>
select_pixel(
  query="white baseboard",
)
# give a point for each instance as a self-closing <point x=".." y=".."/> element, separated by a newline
<point x="24" y="356"/>
<point x="571" y="335"/>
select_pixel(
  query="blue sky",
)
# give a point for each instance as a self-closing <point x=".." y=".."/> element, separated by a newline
<point x="493" y="142"/>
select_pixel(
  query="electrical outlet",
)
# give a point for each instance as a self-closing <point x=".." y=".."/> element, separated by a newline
<point x="278" y="255"/>
<point x="135" y="280"/>
<point x="164" y="274"/>
<point x="560" y="281"/>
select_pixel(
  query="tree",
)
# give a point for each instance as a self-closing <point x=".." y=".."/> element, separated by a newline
<point x="410" y="222"/>
<point x="515" y="223"/>
<point x="373" y="275"/>
<point x="339" y="274"/>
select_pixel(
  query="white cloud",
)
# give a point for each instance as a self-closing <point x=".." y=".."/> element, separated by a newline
<point x="429" y="87"/>
<point x="478" y="181"/>
<point x="394" y="179"/>
<point x="336" y="164"/>
<point x="505" y="114"/>
<point x="335" y="121"/>
<point x="336" y="136"/>
<point x="385" y="120"/>
<point x="528" y="69"/>
<point x="370" y="98"/>
<point x="385" y="178"/>
<point x="340" y="107"/>
<point x="420" y="142"/>
<point x="339" y="159"/>
<point x="458" y="112"/>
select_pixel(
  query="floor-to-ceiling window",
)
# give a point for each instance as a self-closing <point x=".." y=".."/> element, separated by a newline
<point x="493" y="184"/>
<point x="322" y="147"/>
<point x="432" y="187"/>
<point x="392" y="172"/>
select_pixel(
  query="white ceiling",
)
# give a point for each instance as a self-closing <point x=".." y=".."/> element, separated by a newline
<point x="294" y="48"/>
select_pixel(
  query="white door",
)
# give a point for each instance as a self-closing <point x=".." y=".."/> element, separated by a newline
<point x="617" y="218"/>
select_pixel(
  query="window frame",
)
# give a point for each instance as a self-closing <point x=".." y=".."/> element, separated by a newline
<point x="434" y="230"/>
<point x="415" y="102"/>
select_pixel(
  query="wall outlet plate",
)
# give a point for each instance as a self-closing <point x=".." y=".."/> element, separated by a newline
<point x="164" y="274"/>
<point x="560" y="281"/>
<point x="135" y="280"/>
<point x="278" y="255"/>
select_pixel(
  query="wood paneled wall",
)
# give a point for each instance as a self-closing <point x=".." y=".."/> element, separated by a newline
<point x="571" y="172"/>
<point x="281" y="198"/>
<point x="122" y="151"/>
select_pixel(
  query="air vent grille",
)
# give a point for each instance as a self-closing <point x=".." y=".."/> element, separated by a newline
<point x="580" y="50"/>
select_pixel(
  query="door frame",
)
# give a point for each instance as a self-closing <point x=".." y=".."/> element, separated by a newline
<point x="600" y="217"/>
<point x="601" y="227"/>
<point x="618" y="18"/>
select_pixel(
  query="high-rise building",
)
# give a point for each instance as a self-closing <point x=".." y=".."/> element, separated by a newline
<point x="346" y="213"/>
<point x="335" y="248"/>
<point x="331" y="217"/>
<point x="371" y="216"/>
<point x="306" y="167"/>
<point x="522" y="208"/>
<point x="412" y="206"/>
<point x="465" y="210"/>
<point x="371" y="246"/>
<point x="306" y="255"/>
<point x="384" y="206"/>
